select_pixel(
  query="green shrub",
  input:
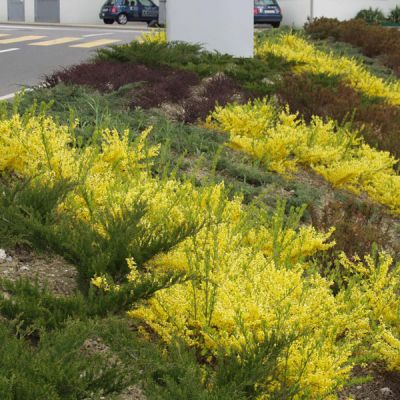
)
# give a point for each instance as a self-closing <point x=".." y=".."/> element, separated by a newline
<point x="30" y="215"/>
<point x="394" y="15"/>
<point x="370" y="15"/>
<point x="254" y="74"/>
<point x="57" y="368"/>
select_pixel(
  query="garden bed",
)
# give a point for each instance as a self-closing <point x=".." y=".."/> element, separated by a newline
<point x="254" y="249"/>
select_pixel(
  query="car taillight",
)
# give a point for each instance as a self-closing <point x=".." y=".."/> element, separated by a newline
<point x="114" y="9"/>
<point x="255" y="11"/>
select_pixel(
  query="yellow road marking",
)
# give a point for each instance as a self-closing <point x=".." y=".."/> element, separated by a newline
<point x="95" y="43"/>
<point x="55" y="41"/>
<point x="20" y="39"/>
<point x="4" y="34"/>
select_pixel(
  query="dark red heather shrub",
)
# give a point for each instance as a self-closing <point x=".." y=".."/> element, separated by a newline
<point x="358" y="225"/>
<point x="170" y="86"/>
<point x="107" y="76"/>
<point x="156" y="86"/>
<point x="373" y="40"/>
<point x="380" y="122"/>
<point x="217" y="90"/>
<point x="103" y="76"/>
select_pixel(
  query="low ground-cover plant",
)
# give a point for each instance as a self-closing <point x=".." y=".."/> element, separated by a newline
<point x="295" y="49"/>
<point x="107" y="76"/>
<point x="373" y="40"/>
<point x="57" y="368"/>
<point x="254" y="75"/>
<point x="282" y="141"/>
<point x="309" y="95"/>
<point x="90" y="357"/>
<point x="186" y="150"/>
<point x="359" y="226"/>
<point x="101" y="198"/>
<point x="86" y="356"/>
<point x="149" y="87"/>
<point x="263" y="319"/>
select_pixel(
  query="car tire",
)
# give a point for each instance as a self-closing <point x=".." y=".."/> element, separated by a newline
<point x="276" y="24"/>
<point x="108" y="21"/>
<point x="153" y="23"/>
<point x="122" y="19"/>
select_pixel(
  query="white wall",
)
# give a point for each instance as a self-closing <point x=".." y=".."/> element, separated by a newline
<point x="80" y="11"/>
<point x="295" y="12"/>
<point x="344" y="9"/>
<point x="3" y="10"/>
<point x="223" y="25"/>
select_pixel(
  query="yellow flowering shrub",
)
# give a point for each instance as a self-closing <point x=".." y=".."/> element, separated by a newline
<point x="309" y="59"/>
<point x="283" y="141"/>
<point x="239" y="289"/>
<point x="373" y="288"/>
<point x="250" y="272"/>
<point x="38" y="146"/>
<point x="154" y="36"/>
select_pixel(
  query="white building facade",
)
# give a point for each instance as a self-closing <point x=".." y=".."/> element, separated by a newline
<point x="295" y="12"/>
<point x="62" y="11"/>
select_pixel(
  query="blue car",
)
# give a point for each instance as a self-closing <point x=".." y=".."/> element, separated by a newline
<point x="123" y="11"/>
<point x="267" y="12"/>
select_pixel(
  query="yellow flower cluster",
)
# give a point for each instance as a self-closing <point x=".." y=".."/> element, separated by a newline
<point x="373" y="287"/>
<point x="282" y="141"/>
<point x="154" y="36"/>
<point x="101" y="283"/>
<point x="309" y="59"/>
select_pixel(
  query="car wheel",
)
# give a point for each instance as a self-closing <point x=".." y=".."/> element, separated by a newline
<point x="276" y="24"/>
<point x="122" y="19"/>
<point x="153" y="23"/>
<point x="108" y="21"/>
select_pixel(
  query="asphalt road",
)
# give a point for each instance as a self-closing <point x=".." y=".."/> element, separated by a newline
<point x="27" y="52"/>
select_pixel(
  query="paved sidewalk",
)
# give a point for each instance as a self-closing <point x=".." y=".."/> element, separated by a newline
<point x="137" y="26"/>
<point x="28" y="52"/>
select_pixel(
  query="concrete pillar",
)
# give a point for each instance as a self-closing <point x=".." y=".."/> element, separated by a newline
<point x="226" y="26"/>
<point x="29" y="10"/>
<point x="162" y="15"/>
<point x="3" y="10"/>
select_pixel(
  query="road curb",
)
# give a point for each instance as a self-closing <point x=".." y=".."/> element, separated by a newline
<point x="89" y="26"/>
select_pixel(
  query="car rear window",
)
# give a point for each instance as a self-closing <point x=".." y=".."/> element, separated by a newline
<point x="109" y="3"/>
<point x="265" y="2"/>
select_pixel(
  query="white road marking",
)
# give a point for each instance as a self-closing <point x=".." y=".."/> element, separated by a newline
<point x="8" y="50"/>
<point x="54" y="42"/>
<point x="12" y="95"/>
<point x="8" y="96"/>
<point x="95" y="43"/>
<point x="98" y="34"/>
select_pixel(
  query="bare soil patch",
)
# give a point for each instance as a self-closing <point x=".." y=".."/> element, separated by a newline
<point x="383" y="386"/>
<point x="48" y="270"/>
